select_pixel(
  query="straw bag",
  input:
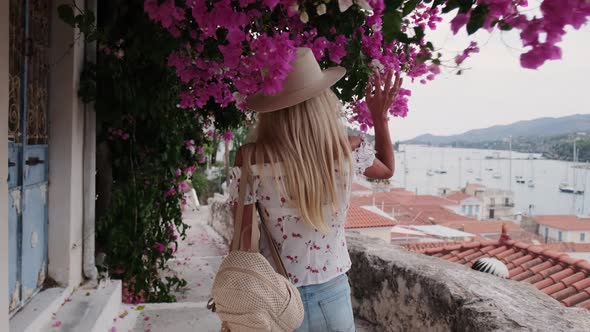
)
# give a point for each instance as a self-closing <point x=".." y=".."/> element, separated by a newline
<point x="248" y="294"/>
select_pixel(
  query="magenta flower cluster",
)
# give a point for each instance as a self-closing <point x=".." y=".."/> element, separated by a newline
<point x="539" y="33"/>
<point x="233" y="49"/>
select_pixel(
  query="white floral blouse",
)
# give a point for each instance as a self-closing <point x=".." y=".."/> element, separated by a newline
<point x="310" y="257"/>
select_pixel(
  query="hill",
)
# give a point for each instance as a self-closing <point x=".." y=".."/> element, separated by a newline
<point x="541" y="127"/>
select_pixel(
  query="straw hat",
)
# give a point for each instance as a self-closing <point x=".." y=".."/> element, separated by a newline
<point x="305" y="81"/>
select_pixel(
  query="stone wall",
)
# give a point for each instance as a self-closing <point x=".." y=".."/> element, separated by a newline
<point x="398" y="290"/>
<point x="220" y="217"/>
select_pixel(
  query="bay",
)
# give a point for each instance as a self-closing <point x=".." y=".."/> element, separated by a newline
<point x="493" y="167"/>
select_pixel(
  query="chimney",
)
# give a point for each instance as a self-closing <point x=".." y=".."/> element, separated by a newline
<point x="504" y="236"/>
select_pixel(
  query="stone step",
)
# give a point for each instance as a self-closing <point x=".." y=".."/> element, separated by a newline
<point x="167" y="317"/>
<point x="37" y="313"/>
<point x="91" y="309"/>
<point x="181" y="317"/>
<point x="199" y="273"/>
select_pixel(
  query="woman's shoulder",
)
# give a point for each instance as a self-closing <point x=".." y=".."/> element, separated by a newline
<point x="355" y="141"/>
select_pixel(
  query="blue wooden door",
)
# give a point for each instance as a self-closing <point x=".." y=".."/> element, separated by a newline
<point x="27" y="145"/>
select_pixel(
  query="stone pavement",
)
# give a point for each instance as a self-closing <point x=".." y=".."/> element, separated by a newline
<point x="198" y="258"/>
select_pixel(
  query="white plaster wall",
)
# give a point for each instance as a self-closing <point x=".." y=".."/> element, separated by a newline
<point x="383" y="233"/>
<point x="65" y="154"/>
<point x="553" y="234"/>
<point x="567" y="236"/>
<point x="3" y="166"/>
<point x="574" y="236"/>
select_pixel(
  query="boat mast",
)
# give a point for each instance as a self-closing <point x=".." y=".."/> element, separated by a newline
<point x="510" y="163"/>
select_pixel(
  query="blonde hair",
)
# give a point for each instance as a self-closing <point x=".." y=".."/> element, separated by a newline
<point x="310" y="141"/>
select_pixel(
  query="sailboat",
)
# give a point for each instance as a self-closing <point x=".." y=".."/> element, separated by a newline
<point x="564" y="186"/>
<point x="497" y="175"/>
<point x="479" y="178"/>
<point x="441" y="170"/>
<point x="519" y="178"/>
<point x="531" y="181"/>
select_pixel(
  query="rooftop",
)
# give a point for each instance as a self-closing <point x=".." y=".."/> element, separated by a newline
<point x="359" y="217"/>
<point x="459" y="196"/>
<point x="565" y="222"/>
<point x="441" y="231"/>
<point x="556" y="274"/>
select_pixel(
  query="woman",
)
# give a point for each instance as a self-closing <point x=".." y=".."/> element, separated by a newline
<point x="303" y="166"/>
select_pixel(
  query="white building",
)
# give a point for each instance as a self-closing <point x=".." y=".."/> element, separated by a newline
<point x="467" y="205"/>
<point x="497" y="203"/>
<point x="563" y="228"/>
<point x="48" y="143"/>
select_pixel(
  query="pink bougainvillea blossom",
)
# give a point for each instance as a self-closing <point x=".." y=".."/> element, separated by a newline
<point x="159" y="247"/>
<point x="253" y="58"/>
<point x="472" y="48"/>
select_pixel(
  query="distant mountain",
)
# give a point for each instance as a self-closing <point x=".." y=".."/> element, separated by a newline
<point x="542" y="127"/>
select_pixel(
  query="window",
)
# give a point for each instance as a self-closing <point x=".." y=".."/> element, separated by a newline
<point x="560" y="237"/>
<point x="464" y="209"/>
<point x="582" y="237"/>
<point x="492" y="201"/>
<point x="470" y="210"/>
<point x="507" y="201"/>
<point x="546" y="232"/>
<point x="477" y="209"/>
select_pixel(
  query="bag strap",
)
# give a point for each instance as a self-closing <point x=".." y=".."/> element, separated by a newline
<point x="245" y="179"/>
<point x="274" y="250"/>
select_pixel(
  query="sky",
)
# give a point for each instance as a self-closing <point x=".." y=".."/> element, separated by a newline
<point x="496" y="90"/>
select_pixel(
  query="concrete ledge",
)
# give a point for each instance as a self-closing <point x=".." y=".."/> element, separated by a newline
<point x="398" y="290"/>
<point x="88" y="309"/>
<point x="220" y="217"/>
<point x="39" y="311"/>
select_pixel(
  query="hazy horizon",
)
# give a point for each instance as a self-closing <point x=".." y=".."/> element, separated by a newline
<point x="496" y="90"/>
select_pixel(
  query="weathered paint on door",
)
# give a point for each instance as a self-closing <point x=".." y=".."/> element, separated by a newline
<point x="27" y="143"/>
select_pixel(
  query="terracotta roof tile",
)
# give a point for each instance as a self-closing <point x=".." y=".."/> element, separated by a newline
<point x="523" y="275"/>
<point x="561" y="274"/>
<point x="359" y="187"/>
<point x="458" y="196"/>
<point x="585" y="304"/>
<point x="533" y="279"/>
<point x="565" y="278"/>
<point x="566" y="222"/>
<point x="583" y="284"/>
<point x="565" y="293"/>
<point x="576" y="298"/>
<point x="358" y="217"/>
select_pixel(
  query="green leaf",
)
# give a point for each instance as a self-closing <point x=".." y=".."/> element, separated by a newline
<point x="410" y="6"/>
<point x="451" y="5"/>
<point x="392" y="25"/>
<point x="477" y="18"/>
<point x="437" y="3"/>
<point x="140" y="307"/>
<point x="465" y="5"/>
<point x="418" y="34"/>
<point x="392" y="4"/>
<point x="504" y="26"/>
<point x="66" y="14"/>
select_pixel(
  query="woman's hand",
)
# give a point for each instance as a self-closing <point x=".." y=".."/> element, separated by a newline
<point x="381" y="93"/>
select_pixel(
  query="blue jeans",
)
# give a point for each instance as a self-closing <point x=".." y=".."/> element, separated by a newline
<point x="327" y="307"/>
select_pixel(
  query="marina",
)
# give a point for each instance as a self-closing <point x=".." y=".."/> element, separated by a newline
<point x="540" y="186"/>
